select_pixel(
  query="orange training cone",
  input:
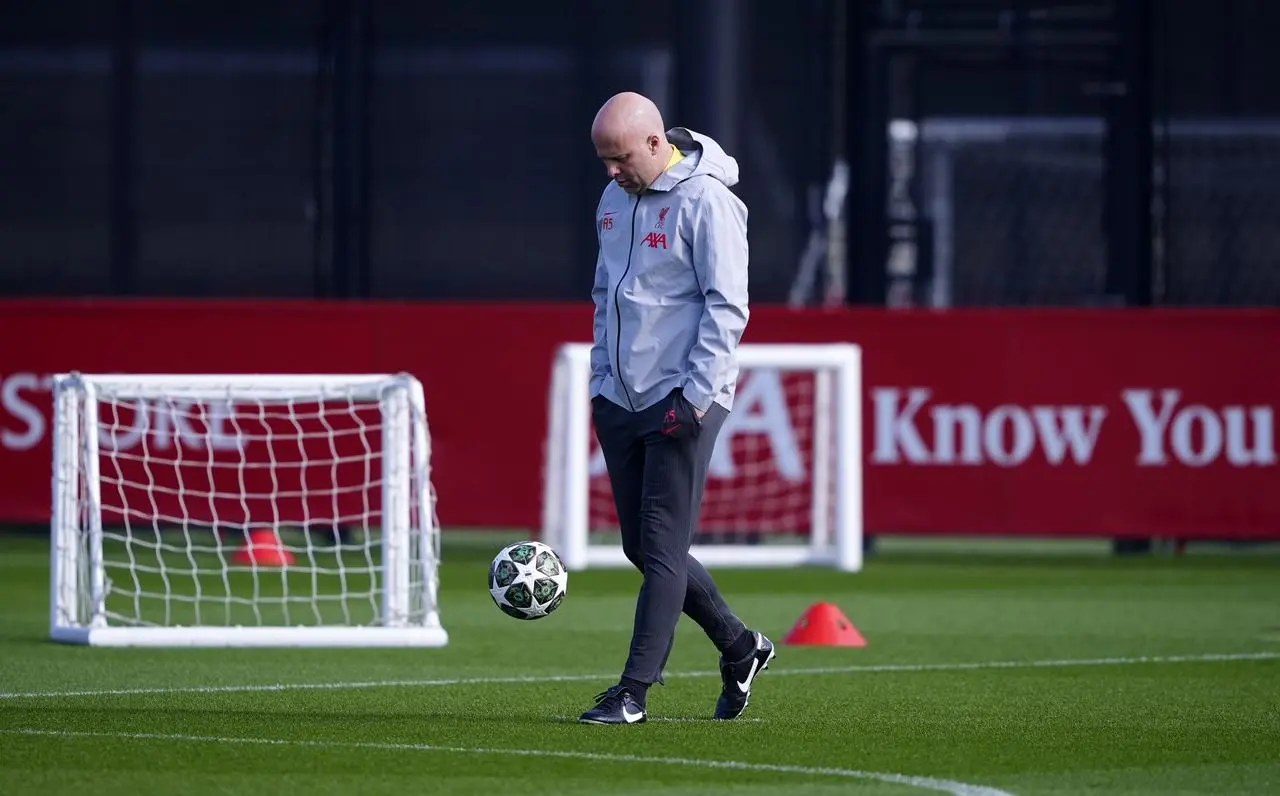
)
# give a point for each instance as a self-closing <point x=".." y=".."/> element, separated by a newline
<point x="264" y="550"/>
<point x="824" y="625"/>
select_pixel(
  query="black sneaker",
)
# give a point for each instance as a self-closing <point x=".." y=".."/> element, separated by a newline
<point x="615" y="706"/>
<point x="737" y="678"/>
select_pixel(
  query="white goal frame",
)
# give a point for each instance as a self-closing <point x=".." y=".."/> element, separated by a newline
<point x="837" y="453"/>
<point x="78" y="573"/>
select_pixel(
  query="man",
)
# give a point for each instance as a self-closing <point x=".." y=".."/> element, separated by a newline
<point x="670" y="299"/>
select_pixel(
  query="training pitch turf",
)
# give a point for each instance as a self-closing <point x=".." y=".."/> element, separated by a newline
<point x="1045" y="673"/>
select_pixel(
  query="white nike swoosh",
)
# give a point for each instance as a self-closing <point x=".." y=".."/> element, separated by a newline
<point x="632" y="718"/>
<point x="745" y="685"/>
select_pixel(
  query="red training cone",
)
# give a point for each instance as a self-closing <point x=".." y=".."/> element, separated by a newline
<point x="264" y="550"/>
<point x="824" y="625"/>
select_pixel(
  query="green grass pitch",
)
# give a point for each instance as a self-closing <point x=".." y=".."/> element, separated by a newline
<point x="1014" y="672"/>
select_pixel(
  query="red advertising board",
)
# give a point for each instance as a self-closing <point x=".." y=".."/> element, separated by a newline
<point x="1077" y="422"/>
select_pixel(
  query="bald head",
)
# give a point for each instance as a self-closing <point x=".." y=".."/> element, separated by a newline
<point x="625" y="114"/>
<point x="630" y="138"/>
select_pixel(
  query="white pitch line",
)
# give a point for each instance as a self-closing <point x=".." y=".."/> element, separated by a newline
<point x="924" y="783"/>
<point x="1060" y="663"/>
<point x="678" y="719"/>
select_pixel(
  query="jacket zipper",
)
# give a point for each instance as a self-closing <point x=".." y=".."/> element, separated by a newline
<point x="617" y="310"/>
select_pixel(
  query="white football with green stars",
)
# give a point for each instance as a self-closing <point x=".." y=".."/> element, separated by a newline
<point x="527" y="580"/>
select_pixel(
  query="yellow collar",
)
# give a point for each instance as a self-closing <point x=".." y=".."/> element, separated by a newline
<point x="676" y="157"/>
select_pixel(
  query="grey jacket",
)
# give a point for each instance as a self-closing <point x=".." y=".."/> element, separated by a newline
<point x="671" y="283"/>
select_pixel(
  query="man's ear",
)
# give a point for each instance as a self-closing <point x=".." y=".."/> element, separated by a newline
<point x="654" y="143"/>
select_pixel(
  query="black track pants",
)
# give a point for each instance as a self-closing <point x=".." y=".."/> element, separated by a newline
<point x="657" y="460"/>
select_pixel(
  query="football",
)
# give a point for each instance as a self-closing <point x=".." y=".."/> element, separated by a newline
<point x="527" y="580"/>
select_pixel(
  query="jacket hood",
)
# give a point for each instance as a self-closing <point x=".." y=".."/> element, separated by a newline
<point x="702" y="156"/>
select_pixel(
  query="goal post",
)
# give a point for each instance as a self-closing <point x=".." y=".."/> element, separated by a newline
<point x="785" y="481"/>
<point x="243" y="510"/>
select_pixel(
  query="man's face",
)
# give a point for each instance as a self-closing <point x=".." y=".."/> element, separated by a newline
<point x="630" y="161"/>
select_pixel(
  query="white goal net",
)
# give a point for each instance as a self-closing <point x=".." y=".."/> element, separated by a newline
<point x="785" y="483"/>
<point x="243" y="511"/>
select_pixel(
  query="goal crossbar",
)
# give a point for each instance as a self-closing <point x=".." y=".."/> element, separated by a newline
<point x="834" y="515"/>
<point x="239" y="386"/>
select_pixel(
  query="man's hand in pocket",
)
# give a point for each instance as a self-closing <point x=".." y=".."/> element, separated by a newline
<point x="681" y="418"/>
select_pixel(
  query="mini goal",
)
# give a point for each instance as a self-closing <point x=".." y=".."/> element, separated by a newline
<point x="243" y="510"/>
<point x="785" y="482"/>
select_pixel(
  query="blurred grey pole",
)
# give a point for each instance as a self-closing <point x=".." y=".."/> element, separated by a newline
<point x="124" y="199"/>
<point x="866" y="136"/>
<point x="318" y="207"/>
<point x="709" y="67"/>
<point x="590" y="92"/>
<point x="835" y="286"/>
<point x="351" y="178"/>
<point x="1129" y="159"/>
